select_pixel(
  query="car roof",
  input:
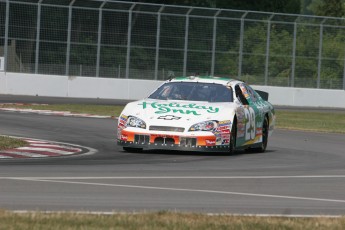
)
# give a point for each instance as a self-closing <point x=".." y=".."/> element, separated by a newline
<point x="227" y="81"/>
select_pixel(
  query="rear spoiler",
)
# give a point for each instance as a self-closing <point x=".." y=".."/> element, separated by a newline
<point x="263" y="95"/>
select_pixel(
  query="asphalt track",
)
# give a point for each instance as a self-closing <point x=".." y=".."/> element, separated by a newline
<point x="302" y="173"/>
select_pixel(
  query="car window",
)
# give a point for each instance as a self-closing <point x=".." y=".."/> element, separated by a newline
<point x="240" y="95"/>
<point x="251" y="93"/>
<point x="193" y="91"/>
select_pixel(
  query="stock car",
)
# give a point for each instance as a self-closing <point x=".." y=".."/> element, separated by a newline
<point x="198" y="113"/>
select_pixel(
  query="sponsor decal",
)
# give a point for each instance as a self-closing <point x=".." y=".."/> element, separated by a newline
<point x="222" y="128"/>
<point x="123" y="118"/>
<point x="225" y="136"/>
<point x="227" y="131"/>
<point x="225" y="141"/>
<point x="169" y="117"/>
<point x="226" y="122"/>
<point x="122" y="121"/>
<point x="219" y="141"/>
<point x="164" y="136"/>
<point x="174" y="107"/>
<point x="210" y="142"/>
<point x="121" y="126"/>
<point x="124" y="137"/>
<point x="222" y="132"/>
<point x="258" y="131"/>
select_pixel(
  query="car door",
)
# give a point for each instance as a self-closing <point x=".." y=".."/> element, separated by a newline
<point x="249" y="116"/>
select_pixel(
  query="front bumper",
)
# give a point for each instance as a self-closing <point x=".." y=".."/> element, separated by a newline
<point x="162" y="146"/>
<point x="164" y="141"/>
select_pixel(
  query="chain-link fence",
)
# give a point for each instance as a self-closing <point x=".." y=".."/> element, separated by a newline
<point x="117" y="39"/>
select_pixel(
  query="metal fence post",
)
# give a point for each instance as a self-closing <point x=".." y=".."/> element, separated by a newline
<point x="320" y="54"/>
<point x="344" y="72"/>
<point x="157" y="40"/>
<point x="7" y="19"/>
<point x="100" y="16"/>
<point x="186" y="42"/>
<point x="240" y="57"/>
<point x="268" y="47"/>
<point x="293" y="65"/>
<point x="129" y="35"/>
<point x="68" y="50"/>
<point x="38" y="27"/>
<point x="214" y="42"/>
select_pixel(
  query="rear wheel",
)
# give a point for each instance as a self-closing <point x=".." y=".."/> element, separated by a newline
<point x="233" y="134"/>
<point x="132" y="150"/>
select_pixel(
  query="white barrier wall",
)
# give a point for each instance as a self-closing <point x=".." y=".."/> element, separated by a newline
<point x="131" y="89"/>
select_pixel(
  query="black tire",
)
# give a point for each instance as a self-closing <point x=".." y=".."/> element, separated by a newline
<point x="264" y="142"/>
<point x="132" y="150"/>
<point x="233" y="134"/>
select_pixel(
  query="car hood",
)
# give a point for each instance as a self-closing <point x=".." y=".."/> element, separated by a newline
<point x="179" y="113"/>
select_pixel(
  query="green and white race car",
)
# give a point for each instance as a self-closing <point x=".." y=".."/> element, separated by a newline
<point x="198" y="114"/>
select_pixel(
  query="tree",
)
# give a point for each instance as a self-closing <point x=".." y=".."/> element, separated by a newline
<point x="277" y="6"/>
<point x="331" y="8"/>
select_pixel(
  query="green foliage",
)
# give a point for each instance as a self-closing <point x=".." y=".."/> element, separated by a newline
<point x="280" y="55"/>
<point x="332" y="8"/>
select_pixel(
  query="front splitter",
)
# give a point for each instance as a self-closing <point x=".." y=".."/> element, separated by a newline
<point x="164" y="146"/>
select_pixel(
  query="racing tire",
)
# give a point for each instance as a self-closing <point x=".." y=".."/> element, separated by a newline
<point x="132" y="150"/>
<point x="233" y="134"/>
<point x="264" y="142"/>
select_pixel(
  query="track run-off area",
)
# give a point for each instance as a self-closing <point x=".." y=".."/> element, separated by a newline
<point x="302" y="173"/>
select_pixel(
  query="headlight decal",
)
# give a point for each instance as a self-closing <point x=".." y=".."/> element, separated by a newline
<point x="220" y="129"/>
<point x="204" y="126"/>
<point x="136" y="122"/>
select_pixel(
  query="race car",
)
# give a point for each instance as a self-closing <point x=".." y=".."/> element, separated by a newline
<point x="198" y="113"/>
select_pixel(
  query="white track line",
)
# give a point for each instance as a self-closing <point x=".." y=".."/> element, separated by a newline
<point x="177" y="177"/>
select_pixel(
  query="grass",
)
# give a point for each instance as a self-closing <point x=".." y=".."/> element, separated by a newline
<point x="286" y="119"/>
<point x="311" y="121"/>
<point x="161" y="221"/>
<point x="104" y="110"/>
<point x="9" y="143"/>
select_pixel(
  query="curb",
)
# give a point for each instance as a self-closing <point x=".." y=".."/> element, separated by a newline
<point x="37" y="148"/>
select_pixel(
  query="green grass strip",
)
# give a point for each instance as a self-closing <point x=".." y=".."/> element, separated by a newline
<point x="311" y="121"/>
<point x="9" y="143"/>
<point x="160" y="221"/>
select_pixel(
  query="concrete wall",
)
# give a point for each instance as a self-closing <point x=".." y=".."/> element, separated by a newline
<point x="87" y="87"/>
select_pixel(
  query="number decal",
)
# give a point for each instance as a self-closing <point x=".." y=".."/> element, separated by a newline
<point x="250" y="123"/>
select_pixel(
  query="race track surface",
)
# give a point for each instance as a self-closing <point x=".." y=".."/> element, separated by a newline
<point x="302" y="173"/>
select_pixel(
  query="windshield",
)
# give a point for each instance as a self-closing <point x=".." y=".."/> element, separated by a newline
<point x="193" y="91"/>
